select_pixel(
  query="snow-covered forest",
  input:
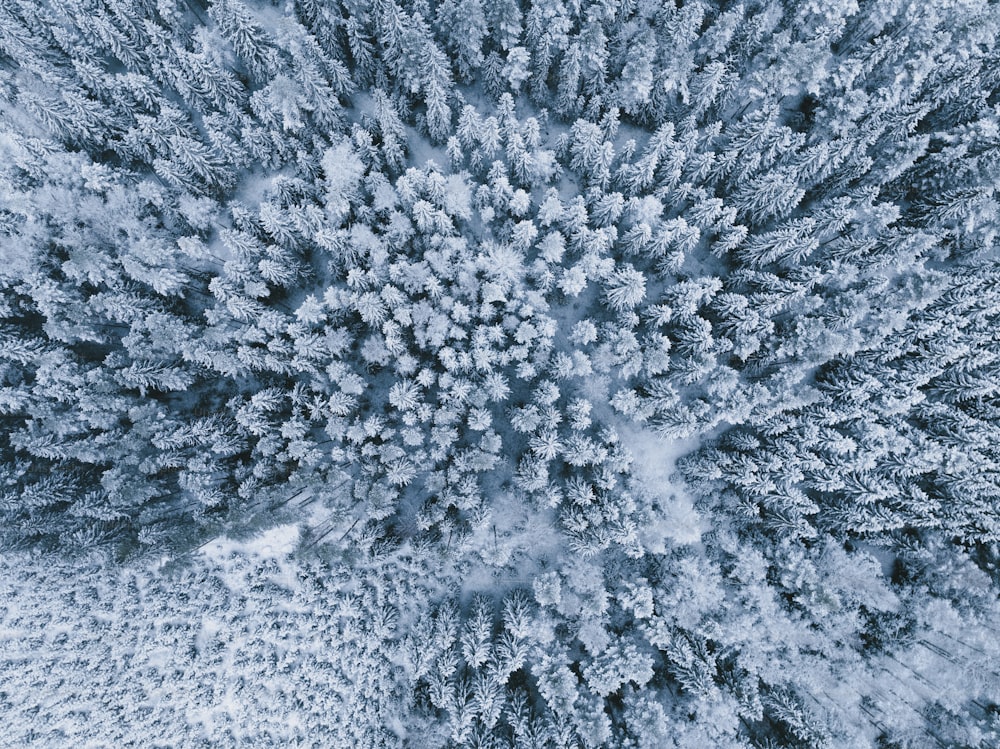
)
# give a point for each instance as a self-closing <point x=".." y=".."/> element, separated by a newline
<point x="500" y="373"/>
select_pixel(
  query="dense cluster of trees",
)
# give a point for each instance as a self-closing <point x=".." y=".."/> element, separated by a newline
<point x="238" y="654"/>
<point x="459" y="273"/>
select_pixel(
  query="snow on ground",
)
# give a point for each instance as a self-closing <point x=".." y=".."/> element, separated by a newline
<point x="274" y="543"/>
<point x="653" y="470"/>
<point x="231" y="556"/>
<point x="510" y="547"/>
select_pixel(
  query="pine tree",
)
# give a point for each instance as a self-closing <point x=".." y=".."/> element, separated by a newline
<point x="248" y="39"/>
<point x="463" y="25"/>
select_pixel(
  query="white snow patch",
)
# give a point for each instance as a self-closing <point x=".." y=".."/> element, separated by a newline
<point x="235" y="559"/>
<point x="274" y="543"/>
<point x="653" y="468"/>
<point x="655" y="458"/>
